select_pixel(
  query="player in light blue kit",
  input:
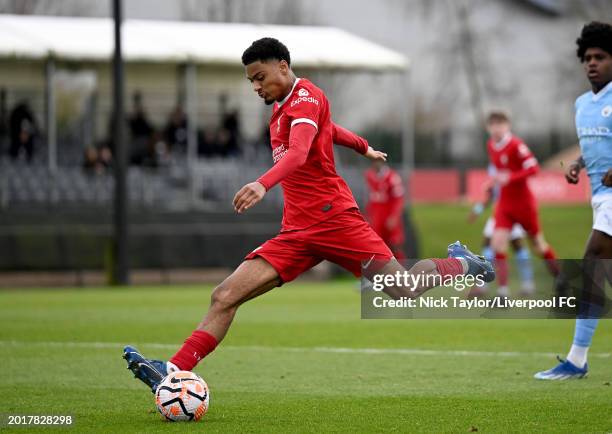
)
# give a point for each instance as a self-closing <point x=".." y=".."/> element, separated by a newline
<point x="594" y="128"/>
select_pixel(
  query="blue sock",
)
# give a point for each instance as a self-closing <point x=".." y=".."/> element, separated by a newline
<point x="488" y="253"/>
<point x="585" y="328"/>
<point x="523" y="263"/>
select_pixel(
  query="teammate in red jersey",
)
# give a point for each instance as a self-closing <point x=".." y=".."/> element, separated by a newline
<point x="385" y="206"/>
<point x="515" y="164"/>
<point x="321" y="220"/>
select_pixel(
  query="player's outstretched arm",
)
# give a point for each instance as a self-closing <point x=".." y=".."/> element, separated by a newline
<point x="300" y="140"/>
<point x="573" y="171"/>
<point x="343" y="137"/>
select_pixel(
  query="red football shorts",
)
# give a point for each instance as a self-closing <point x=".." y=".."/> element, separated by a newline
<point x="345" y="239"/>
<point x="526" y="214"/>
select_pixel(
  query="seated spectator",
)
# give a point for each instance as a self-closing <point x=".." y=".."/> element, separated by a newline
<point x="91" y="161"/>
<point x="23" y="131"/>
<point x="97" y="161"/>
<point x="141" y="131"/>
<point x="175" y="132"/>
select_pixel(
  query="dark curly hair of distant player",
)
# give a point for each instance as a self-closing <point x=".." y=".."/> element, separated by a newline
<point x="265" y="49"/>
<point x="594" y="35"/>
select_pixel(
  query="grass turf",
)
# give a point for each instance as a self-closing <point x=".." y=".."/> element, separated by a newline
<point x="287" y="365"/>
<point x="566" y="228"/>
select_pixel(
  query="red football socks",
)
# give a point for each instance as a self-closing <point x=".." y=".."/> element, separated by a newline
<point x="501" y="269"/>
<point x="196" y="347"/>
<point x="448" y="266"/>
<point x="551" y="261"/>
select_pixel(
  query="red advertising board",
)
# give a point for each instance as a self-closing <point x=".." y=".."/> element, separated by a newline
<point x="436" y="185"/>
<point x="549" y="186"/>
<point x="444" y="185"/>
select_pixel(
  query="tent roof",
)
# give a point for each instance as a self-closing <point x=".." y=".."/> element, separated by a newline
<point x="70" y="38"/>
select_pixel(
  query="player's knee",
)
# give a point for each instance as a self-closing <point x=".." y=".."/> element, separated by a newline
<point x="223" y="298"/>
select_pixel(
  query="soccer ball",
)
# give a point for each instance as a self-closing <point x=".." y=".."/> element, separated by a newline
<point x="182" y="395"/>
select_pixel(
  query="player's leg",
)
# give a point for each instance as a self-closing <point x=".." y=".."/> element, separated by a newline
<point x="252" y="278"/>
<point x="599" y="251"/>
<point x="523" y="260"/>
<point x="599" y="254"/>
<point x="487" y="234"/>
<point x="545" y="251"/>
<point x="499" y="242"/>
<point x="529" y="219"/>
<point x="487" y="253"/>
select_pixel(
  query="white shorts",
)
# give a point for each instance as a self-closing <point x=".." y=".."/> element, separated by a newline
<point x="517" y="230"/>
<point x="602" y="213"/>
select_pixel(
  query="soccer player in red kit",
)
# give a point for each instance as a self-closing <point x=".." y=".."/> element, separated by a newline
<point x="321" y="220"/>
<point x="385" y="206"/>
<point x="515" y="164"/>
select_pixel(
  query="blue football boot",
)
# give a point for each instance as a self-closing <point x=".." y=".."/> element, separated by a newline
<point x="150" y="372"/>
<point x="565" y="370"/>
<point x="477" y="265"/>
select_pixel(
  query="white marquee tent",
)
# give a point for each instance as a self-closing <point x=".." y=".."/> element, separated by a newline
<point x="36" y="37"/>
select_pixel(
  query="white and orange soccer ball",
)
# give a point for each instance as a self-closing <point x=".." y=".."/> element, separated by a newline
<point x="182" y="396"/>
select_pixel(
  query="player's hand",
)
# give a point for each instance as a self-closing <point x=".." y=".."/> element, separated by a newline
<point x="248" y="196"/>
<point x="572" y="172"/>
<point x="375" y="155"/>
<point x="607" y="178"/>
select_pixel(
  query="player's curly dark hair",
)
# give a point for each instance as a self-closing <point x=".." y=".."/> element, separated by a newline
<point x="265" y="49"/>
<point x="594" y="35"/>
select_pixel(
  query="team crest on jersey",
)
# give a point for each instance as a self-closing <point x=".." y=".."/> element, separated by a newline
<point x="303" y="92"/>
<point x="606" y="111"/>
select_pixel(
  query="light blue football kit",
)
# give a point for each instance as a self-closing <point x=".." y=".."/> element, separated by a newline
<point x="594" y="129"/>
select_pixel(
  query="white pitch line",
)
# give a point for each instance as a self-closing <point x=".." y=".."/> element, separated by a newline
<point x="336" y="350"/>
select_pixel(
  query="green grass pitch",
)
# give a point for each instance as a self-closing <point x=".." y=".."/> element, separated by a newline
<point x="299" y="359"/>
<point x="296" y="359"/>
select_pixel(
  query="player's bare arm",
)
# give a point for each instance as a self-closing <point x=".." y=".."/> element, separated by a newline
<point x="573" y="171"/>
<point x="343" y="137"/>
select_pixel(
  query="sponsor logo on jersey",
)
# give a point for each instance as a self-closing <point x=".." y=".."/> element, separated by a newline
<point x="606" y="111"/>
<point x="303" y="92"/>
<point x="279" y="152"/>
<point x="593" y="131"/>
<point x="503" y="159"/>
<point x="304" y="99"/>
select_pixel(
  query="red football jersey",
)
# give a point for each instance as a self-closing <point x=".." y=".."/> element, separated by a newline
<point x="385" y="190"/>
<point x="512" y="155"/>
<point x="314" y="191"/>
